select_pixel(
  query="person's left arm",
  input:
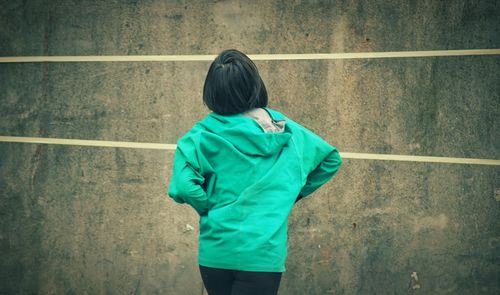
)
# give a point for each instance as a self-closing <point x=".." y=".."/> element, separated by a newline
<point x="186" y="185"/>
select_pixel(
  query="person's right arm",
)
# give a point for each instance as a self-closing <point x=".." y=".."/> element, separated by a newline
<point x="326" y="169"/>
<point x="320" y="160"/>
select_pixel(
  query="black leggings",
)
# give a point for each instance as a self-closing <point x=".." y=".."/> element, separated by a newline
<point x="220" y="281"/>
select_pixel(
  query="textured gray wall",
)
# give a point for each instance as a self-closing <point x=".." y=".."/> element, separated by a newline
<point x="89" y="220"/>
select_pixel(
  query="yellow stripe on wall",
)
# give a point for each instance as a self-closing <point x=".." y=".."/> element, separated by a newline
<point x="300" y="56"/>
<point x="160" y="146"/>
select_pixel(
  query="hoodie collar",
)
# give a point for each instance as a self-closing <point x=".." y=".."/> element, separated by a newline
<point x="265" y="120"/>
<point x="246" y="134"/>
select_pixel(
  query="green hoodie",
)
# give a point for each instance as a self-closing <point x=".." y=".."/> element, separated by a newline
<point x="243" y="182"/>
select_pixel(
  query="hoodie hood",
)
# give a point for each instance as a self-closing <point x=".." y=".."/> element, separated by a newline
<point x="246" y="134"/>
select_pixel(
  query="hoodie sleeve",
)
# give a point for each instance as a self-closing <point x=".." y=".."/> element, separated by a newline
<point x="326" y="169"/>
<point x="186" y="183"/>
<point x="320" y="160"/>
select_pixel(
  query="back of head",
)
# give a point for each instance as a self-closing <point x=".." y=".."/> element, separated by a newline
<point x="233" y="84"/>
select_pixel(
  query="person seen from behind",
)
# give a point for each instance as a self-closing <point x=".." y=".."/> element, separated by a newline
<point x="242" y="168"/>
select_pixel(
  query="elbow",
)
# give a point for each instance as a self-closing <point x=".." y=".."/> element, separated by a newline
<point x="334" y="160"/>
<point x="178" y="191"/>
<point x="176" y="196"/>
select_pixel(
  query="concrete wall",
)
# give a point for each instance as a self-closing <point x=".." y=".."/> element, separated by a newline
<point x="90" y="220"/>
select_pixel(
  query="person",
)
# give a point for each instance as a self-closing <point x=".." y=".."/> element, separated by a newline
<point x="242" y="168"/>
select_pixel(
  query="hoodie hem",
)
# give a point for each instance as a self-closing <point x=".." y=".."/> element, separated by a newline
<point x="255" y="267"/>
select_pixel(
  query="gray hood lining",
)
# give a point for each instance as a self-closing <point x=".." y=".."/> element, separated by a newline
<point x="265" y="121"/>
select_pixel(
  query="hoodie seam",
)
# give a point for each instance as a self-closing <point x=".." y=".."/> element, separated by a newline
<point x="298" y="157"/>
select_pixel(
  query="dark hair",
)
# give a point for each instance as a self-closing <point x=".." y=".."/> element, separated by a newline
<point x="233" y="84"/>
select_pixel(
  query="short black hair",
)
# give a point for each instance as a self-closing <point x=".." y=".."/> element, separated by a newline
<point x="233" y="84"/>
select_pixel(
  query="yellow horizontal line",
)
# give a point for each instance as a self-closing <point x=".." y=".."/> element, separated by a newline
<point x="99" y="143"/>
<point x="427" y="159"/>
<point x="300" y="56"/>
<point x="160" y="146"/>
